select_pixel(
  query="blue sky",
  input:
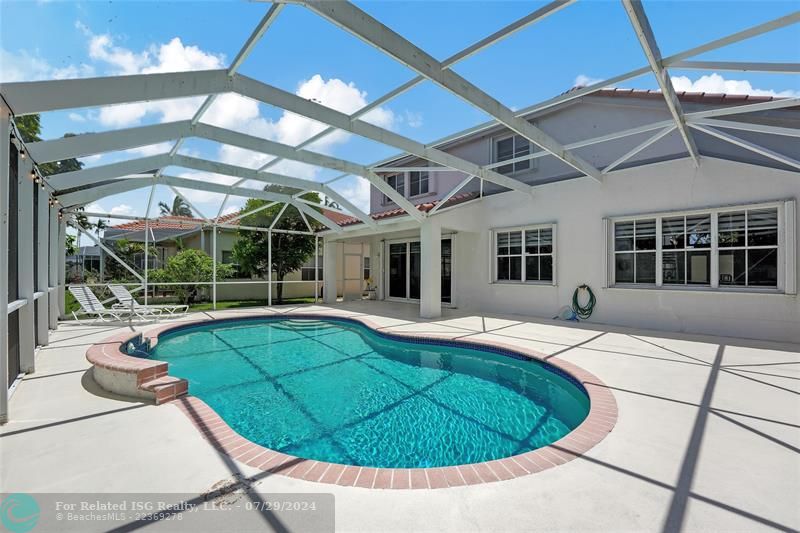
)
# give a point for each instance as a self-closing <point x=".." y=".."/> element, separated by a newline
<point x="303" y="53"/>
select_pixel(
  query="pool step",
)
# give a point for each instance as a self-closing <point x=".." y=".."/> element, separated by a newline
<point x="166" y="388"/>
<point x="302" y="325"/>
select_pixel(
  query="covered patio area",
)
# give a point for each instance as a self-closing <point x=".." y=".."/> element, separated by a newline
<point x="702" y="421"/>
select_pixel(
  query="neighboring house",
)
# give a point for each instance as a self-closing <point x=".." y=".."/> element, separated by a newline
<point x="168" y="234"/>
<point x="663" y="244"/>
<point x="88" y="259"/>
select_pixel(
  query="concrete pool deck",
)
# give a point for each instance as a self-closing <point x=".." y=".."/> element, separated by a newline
<point x="707" y="437"/>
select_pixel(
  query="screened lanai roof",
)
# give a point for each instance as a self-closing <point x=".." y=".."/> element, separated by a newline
<point x="79" y="188"/>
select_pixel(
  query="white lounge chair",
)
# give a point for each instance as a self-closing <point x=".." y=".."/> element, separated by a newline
<point x="126" y="299"/>
<point x="91" y="305"/>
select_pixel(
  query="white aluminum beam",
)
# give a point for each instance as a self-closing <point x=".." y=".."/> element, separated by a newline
<point x="747" y="126"/>
<point x="308" y="210"/>
<point x="779" y="103"/>
<point x="24" y="258"/>
<point x="494" y="38"/>
<point x="52" y="270"/>
<point x="300" y="106"/>
<point x="127" y="138"/>
<point x="108" y="141"/>
<point x="251" y="42"/>
<point x="250" y="174"/>
<point x="747" y="145"/>
<point x="452" y="193"/>
<point x="641" y="25"/>
<point x="111" y="253"/>
<point x="91" y="175"/>
<point x="360" y="24"/>
<point x="652" y="140"/>
<point x="189" y="203"/>
<point x="279" y="215"/>
<point x="29" y="97"/>
<point x="103" y="215"/>
<point x="739" y="66"/>
<point x="95" y="193"/>
<point x="185" y="183"/>
<point x="748" y="33"/>
<point x="5" y="155"/>
<point x="258" y="144"/>
<point x="413" y="169"/>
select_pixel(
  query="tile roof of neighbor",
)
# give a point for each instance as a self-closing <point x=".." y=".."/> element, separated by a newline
<point x="181" y="222"/>
<point x="683" y="96"/>
<point x="172" y="222"/>
<point x="345" y="220"/>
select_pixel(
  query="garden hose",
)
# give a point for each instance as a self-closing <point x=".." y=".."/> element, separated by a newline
<point x="583" y="311"/>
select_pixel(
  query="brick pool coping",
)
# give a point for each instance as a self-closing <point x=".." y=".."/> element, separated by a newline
<point x="598" y="423"/>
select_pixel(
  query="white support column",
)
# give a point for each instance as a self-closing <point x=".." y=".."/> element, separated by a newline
<point x="269" y="264"/>
<point x="714" y="251"/>
<point x="329" y="273"/>
<point x="147" y="241"/>
<point x="25" y="186"/>
<point x="146" y="254"/>
<point x="41" y="266"/>
<point x="376" y="265"/>
<point x="5" y="133"/>
<point x="214" y="267"/>
<point x="61" y="257"/>
<point x="430" y="237"/>
<point x="316" y="269"/>
<point x="52" y="268"/>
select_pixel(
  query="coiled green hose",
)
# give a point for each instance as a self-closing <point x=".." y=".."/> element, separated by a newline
<point x="583" y="311"/>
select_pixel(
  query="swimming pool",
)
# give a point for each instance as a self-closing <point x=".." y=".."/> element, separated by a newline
<point x="334" y="390"/>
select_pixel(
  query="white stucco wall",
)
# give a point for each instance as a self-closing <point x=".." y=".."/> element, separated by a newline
<point x="578" y="207"/>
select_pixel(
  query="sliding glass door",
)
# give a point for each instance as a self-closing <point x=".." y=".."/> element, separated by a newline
<point x="405" y="270"/>
<point x="398" y="263"/>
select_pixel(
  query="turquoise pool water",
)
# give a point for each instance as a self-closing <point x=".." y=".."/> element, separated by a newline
<point x="337" y="391"/>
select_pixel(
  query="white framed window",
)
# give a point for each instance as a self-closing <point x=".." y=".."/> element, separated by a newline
<point x="635" y="251"/>
<point x="524" y="254"/>
<point x="398" y="183"/>
<point x="418" y="183"/>
<point x="746" y="247"/>
<point x="511" y="147"/>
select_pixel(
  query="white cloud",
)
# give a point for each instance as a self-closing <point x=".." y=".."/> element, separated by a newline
<point x="355" y="189"/>
<point x="582" y="80"/>
<point x="151" y="149"/>
<point x="90" y="159"/>
<point x="231" y="209"/>
<point x="242" y="114"/>
<point x="232" y="111"/>
<point x="122" y="209"/>
<point x="715" y="83"/>
<point x="204" y="197"/>
<point x="24" y="66"/>
<point x="413" y="119"/>
<point x="173" y="56"/>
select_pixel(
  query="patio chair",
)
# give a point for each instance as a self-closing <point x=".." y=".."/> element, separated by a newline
<point x="126" y="299"/>
<point x="91" y="305"/>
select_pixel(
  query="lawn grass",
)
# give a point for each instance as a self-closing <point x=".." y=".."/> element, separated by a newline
<point x="236" y="304"/>
<point x="73" y="305"/>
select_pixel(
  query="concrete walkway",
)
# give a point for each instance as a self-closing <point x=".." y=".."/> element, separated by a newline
<point x="708" y="436"/>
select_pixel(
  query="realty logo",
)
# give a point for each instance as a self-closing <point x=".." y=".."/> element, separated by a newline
<point x="19" y="512"/>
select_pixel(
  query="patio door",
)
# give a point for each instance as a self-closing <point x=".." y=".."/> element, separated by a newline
<point x="405" y="270"/>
